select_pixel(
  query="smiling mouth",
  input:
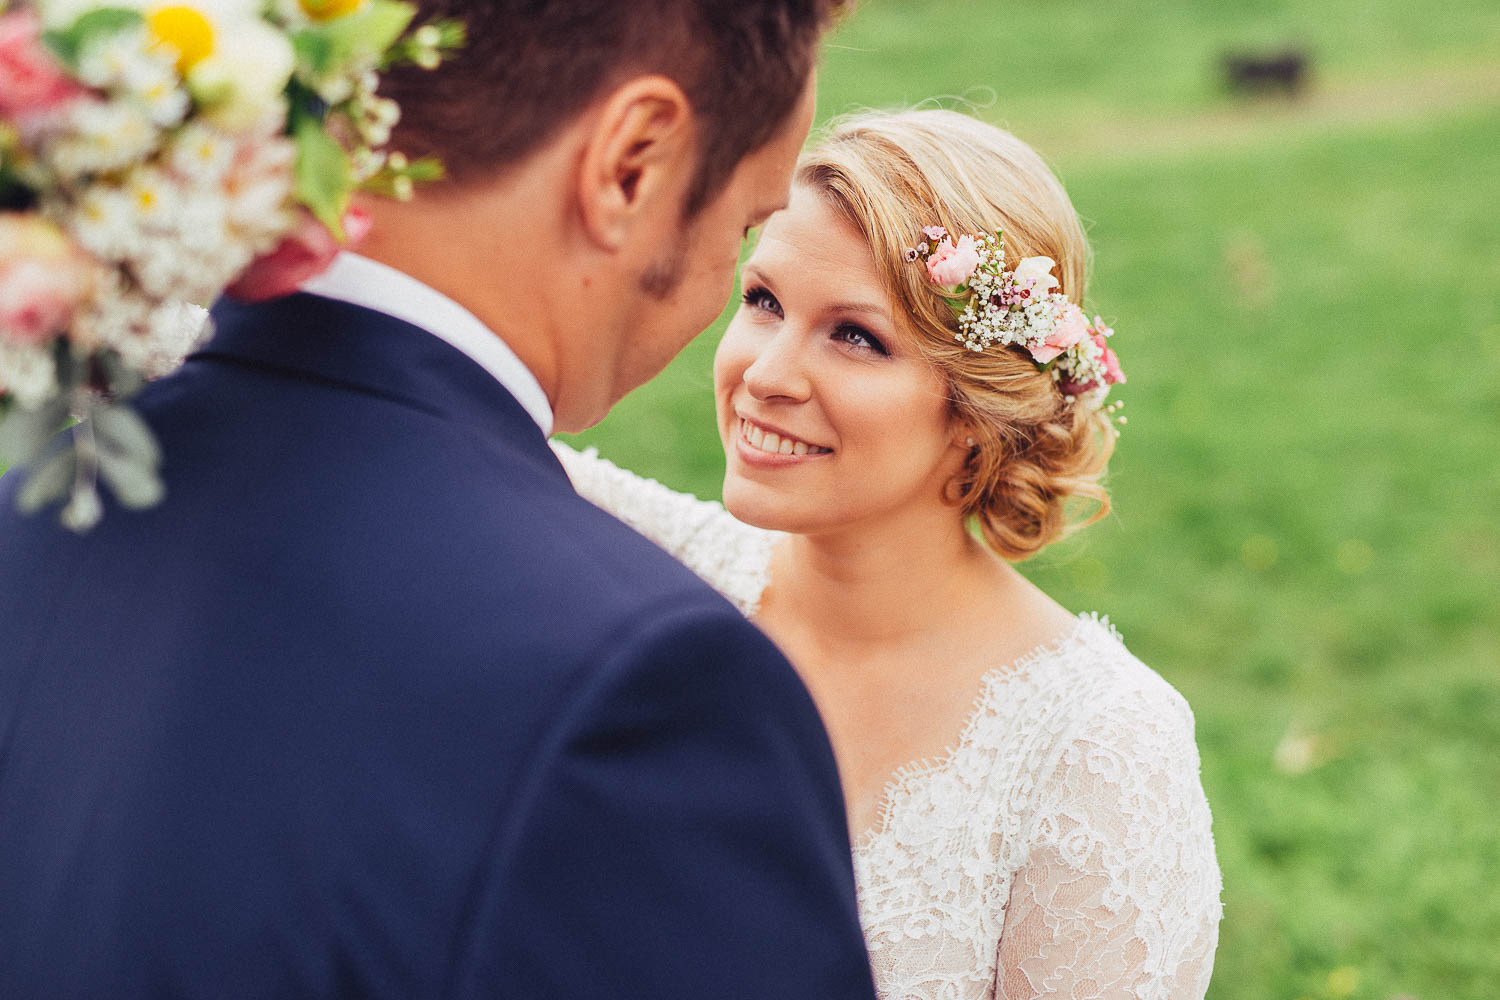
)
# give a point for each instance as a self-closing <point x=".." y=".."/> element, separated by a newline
<point x="772" y="443"/>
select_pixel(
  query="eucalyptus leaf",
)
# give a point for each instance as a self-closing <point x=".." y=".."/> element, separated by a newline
<point x="24" y="433"/>
<point x="325" y="179"/>
<point x="83" y="511"/>
<point x="134" y="480"/>
<point x="49" y="482"/>
<point x="122" y="433"/>
<point x="68" y="43"/>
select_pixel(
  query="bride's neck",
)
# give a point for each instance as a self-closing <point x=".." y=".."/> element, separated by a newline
<point x="877" y="587"/>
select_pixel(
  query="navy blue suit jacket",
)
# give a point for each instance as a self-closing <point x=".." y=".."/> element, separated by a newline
<point x="374" y="705"/>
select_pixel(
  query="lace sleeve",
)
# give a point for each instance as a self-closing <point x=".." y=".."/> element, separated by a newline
<point x="731" y="556"/>
<point x="1119" y="897"/>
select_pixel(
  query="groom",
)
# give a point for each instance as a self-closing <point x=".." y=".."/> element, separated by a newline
<point x="374" y="705"/>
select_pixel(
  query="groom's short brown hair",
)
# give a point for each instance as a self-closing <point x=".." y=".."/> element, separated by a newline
<point x="531" y="65"/>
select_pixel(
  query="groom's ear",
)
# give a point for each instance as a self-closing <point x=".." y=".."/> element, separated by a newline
<point x="638" y="158"/>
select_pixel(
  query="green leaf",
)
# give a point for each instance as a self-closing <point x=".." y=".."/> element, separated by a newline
<point x="325" y="179"/>
<point x="374" y="28"/>
<point x="355" y="42"/>
<point x="49" y="482"/>
<point x="315" y="50"/>
<point x="24" y="433"/>
<point x="68" y="43"/>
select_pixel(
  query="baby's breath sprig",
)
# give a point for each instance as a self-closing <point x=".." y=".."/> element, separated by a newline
<point x="1020" y="307"/>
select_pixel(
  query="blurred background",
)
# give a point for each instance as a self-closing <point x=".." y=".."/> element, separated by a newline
<point x="1295" y="213"/>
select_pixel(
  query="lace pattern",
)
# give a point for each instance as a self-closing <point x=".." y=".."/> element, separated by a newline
<point x="1062" y="847"/>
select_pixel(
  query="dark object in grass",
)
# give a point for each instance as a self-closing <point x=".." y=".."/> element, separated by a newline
<point x="1282" y="72"/>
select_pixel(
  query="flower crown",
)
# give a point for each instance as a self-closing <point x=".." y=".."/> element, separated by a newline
<point x="1021" y="308"/>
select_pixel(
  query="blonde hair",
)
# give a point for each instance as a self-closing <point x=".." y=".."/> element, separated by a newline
<point x="890" y="174"/>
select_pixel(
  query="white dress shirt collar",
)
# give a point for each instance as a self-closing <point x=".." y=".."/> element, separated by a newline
<point x="364" y="282"/>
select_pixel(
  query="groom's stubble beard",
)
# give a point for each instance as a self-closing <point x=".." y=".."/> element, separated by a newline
<point x="663" y="275"/>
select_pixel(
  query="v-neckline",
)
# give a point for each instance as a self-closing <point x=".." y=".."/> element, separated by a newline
<point x="907" y="778"/>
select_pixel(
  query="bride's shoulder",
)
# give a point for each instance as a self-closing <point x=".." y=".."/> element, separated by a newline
<point x="1113" y="692"/>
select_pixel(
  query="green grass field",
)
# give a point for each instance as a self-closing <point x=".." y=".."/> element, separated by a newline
<point x="1307" y="534"/>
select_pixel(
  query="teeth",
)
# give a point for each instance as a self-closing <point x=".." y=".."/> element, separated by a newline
<point x="775" y="444"/>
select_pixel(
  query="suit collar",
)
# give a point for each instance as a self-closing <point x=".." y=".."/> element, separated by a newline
<point x="364" y="282"/>
<point x="322" y="339"/>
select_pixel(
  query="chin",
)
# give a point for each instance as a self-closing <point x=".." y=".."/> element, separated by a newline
<point x="762" y="507"/>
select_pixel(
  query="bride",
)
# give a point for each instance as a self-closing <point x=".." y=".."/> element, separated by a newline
<point x="1024" y="793"/>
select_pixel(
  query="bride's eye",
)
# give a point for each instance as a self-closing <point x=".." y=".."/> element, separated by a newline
<point x="858" y="336"/>
<point x="757" y="297"/>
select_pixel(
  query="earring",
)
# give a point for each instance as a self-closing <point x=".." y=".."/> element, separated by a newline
<point x="969" y="442"/>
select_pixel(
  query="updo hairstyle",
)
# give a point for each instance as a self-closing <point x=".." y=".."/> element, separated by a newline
<point x="890" y="174"/>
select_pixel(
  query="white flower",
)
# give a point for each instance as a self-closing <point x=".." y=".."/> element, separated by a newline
<point x="1035" y="273"/>
<point x="242" y="81"/>
<point x="175" y="329"/>
<point x="27" y="372"/>
<point x="104" y="223"/>
<point x="259" y="189"/>
<point x="102" y="136"/>
<point x="153" y="198"/>
<point x="202" y="154"/>
<point x="108" y="60"/>
<point x="203" y="223"/>
<point x="156" y="85"/>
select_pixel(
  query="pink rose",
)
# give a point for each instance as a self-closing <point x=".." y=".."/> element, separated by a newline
<point x="1113" y="375"/>
<point x="31" y="80"/>
<point x="304" y="254"/>
<point x="36" y="301"/>
<point x="951" y="266"/>
<point x="43" y="278"/>
<point x="1071" y="327"/>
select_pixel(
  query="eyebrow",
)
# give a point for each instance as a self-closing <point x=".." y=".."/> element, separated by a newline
<point x="859" y="307"/>
<point x="751" y="273"/>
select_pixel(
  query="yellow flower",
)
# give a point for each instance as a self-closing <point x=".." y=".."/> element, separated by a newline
<point x="186" y="30"/>
<point x="327" y="10"/>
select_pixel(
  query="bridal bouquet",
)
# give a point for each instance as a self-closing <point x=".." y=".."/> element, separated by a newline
<point x="149" y="153"/>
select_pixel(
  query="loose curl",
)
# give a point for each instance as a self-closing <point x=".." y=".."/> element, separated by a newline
<point x="1037" y="459"/>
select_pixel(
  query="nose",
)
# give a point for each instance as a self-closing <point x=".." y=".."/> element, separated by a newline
<point x="779" y="370"/>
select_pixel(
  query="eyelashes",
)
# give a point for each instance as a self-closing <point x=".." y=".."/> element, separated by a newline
<point x="858" y="336"/>
<point x="759" y="297"/>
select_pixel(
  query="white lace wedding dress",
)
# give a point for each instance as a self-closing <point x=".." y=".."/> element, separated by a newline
<point x="1061" y="848"/>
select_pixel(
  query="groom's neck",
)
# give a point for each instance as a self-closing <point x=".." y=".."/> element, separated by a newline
<point x="494" y="249"/>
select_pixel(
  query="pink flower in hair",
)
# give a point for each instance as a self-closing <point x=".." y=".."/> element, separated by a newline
<point x="934" y="233"/>
<point x="1113" y="375"/>
<point x="31" y="79"/>
<point x="1072" y="326"/>
<point x="951" y="266"/>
